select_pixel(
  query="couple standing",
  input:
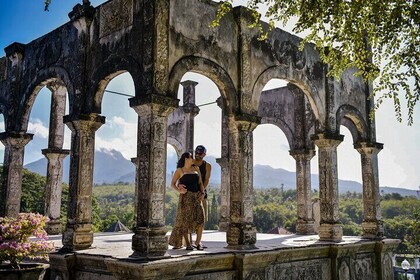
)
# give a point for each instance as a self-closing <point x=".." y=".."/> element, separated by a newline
<point x="190" y="179"/>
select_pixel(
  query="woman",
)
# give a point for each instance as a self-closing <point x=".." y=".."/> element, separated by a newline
<point x="190" y="213"/>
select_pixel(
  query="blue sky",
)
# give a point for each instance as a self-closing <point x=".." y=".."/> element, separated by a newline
<point x="23" y="21"/>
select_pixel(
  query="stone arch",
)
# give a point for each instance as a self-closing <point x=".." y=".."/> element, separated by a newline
<point x="175" y="144"/>
<point x="108" y="70"/>
<point x="277" y="72"/>
<point x="351" y="118"/>
<point x="283" y="127"/>
<point x="210" y="69"/>
<point x="43" y="78"/>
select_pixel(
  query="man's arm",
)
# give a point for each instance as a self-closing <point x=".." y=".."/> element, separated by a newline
<point x="208" y="173"/>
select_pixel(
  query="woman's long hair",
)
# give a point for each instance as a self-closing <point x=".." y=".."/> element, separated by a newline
<point x="181" y="161"/>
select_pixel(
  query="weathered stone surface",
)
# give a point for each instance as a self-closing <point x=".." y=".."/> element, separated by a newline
<point x="372" y="222"/>
<point x="330" y="228"/>
<point x="293" y="257"/>
<point x="53" y="188"/>
<point x="78" y="233"/>
<point x="11" y="185"/>
<point x="305" y="222"/>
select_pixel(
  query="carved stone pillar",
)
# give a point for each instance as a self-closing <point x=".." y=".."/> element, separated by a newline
<point x="149" y="239"/>
<point x="305" y="222"/>
<point x="224" y="194"/>
<point x="55" y="156"/>
<point x="242" y="232"/>
<point x="11" y="186"/>
<point x="372" y="223"/>
<point x="330" y="228"/>
<point x="78" y="234"/>
<point x="225" y="177"/>
<point x="190" y="110"/>
<point x="53" y="188"/>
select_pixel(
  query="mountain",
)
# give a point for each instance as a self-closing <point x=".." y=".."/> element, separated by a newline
<point x="111" y="167"/>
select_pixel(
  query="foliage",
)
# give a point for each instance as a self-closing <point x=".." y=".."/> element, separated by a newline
<point x="33" y="192"/>
<point x="412" y="236"/>
<point x="15" y="243"/>
<point x="273" y="208"/>
<point x="381" y="39"/>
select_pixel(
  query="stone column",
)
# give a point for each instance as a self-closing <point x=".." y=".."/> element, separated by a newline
<point x="190" y="111"/>
<point x="330" y="228"/>
<point x="372" y="223"/>
<point x="242" y="232"/>
<point x="305" y="222"/>
<point x="225" y="177"/>
<point x="224" y="194"/>
<point x="149" y="239"/>
<point x="78" y="234"/>
<point x="11" y="185"/>
<point x="55" y="156"/>
<point x="53" y="188"/>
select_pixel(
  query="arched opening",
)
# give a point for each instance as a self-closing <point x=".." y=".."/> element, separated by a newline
<point x="46" y="155"/>
<point x="283" y="193"/>
<point x="201" y="104"/>
<point x="115" y="153"/>
<point x="350" y="185"/>
<point x="39" y="125"/>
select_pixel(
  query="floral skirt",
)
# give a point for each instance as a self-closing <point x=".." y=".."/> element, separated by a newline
<point x="189" y="216"/>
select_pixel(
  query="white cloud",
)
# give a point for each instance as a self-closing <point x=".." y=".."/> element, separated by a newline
<point x="125" y="142"/>
<point x="38" y="129"/>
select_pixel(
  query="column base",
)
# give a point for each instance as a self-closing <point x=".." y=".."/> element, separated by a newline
<point x="149" y="243"/>
<point x="331" y="232"/>
<point x="77" y="237"/>
<point x="373" y="230"/>
<point x="305" y="227"/>
<point x="54" y="227"/>
<point x="241" y="236"/>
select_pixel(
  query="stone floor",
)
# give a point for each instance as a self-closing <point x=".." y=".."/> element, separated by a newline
<point x="118" y="245"/>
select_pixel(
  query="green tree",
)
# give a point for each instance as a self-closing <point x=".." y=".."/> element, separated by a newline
<point x="412" y="237"/>
<point x="381" y="38"/>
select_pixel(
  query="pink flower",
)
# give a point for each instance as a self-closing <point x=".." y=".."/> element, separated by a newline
<point x="15" y="243"/>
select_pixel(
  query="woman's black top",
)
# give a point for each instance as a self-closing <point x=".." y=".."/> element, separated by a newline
<point x="190" y="180"/>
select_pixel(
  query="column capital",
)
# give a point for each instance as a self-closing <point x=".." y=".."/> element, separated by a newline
<point x="135" y="161"/>
<point x="326" y="140"/>
<point x="85" y="122"/>
<point x="246" y="122"/>
<point x="302" y="154"/>
<point x="160" y="105"/>
<point x="48" y="153"/>
<point x="188" y="83"/>
<point x="368" y="148"/>
<point x="223" y="161"/>
<point x="55" y="85"/>
<point x="15" y="139"/>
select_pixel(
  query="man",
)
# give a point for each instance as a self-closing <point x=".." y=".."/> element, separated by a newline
<point x="205" y="170"/>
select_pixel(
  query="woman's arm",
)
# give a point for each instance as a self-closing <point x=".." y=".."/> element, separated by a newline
<point x="175" y="178"/>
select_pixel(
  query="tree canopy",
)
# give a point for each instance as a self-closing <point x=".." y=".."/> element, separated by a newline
<point x="381" y="38"/>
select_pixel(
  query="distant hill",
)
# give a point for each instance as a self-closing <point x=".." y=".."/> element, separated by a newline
<point x="111" y="167"/>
